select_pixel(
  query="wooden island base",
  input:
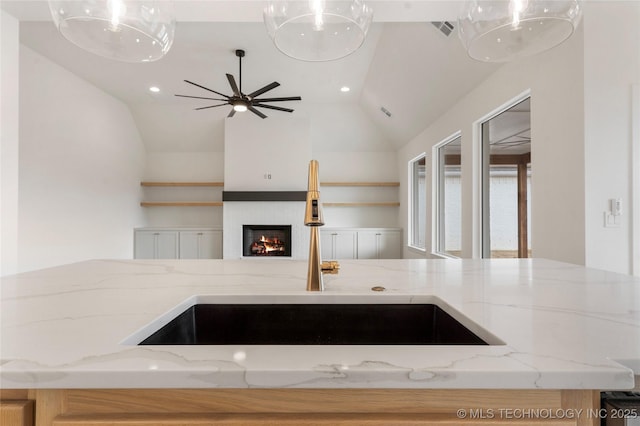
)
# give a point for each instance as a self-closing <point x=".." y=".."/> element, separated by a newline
<point x="182" y="407"/>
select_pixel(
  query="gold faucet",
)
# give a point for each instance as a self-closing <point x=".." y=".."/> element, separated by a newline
<point x="313" y="218"/>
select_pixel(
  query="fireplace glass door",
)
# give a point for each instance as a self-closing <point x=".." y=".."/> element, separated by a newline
<point x="266" y="240"/>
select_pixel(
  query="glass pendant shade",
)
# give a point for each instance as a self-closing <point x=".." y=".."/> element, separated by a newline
<point x="125" y="30"/>
<point x="317" y="30"/>
<point x="503" y="30"/>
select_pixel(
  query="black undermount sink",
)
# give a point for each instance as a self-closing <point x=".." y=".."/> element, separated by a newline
<point x="314" y="324"/>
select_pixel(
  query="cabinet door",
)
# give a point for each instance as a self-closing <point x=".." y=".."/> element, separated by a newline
<point x="156" y="245"/>
<point x="201" y="245"/>
<point x="368" y="244"/>
<point x="337" y="244"/>
<point x="390" y="245"/>
<point x="379" y="244"/>
<point x="345" y="244"/>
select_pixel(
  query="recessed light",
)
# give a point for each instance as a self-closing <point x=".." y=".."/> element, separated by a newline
<point x="344" y="89"/>
<point x="154" y="89"/>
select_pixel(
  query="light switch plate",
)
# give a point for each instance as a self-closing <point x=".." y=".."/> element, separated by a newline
<point x="611" y="221"/>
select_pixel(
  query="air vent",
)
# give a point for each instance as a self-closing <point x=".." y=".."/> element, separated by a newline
<point x="445" y="27"/>
<point x="386" y="111"/>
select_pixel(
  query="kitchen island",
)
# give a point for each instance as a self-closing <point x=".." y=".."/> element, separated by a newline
<point x="561" y="334"/>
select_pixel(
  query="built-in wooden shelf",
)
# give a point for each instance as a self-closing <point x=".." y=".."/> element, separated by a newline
<point x="375" y="204"/>
<point x="182" y="183"/>
<point x="359" y="183"/>
<point x="181" y="204"/>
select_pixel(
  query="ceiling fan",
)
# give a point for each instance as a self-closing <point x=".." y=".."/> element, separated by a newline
<point x="240" y="101"/>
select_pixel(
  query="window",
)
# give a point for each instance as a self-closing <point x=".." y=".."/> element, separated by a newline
<point x="417" y="202"/>
<point x="447" y="232"/>
<point x="506" y="183"/>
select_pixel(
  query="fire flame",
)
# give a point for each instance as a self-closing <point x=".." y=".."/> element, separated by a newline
<point x="267" y="245"/>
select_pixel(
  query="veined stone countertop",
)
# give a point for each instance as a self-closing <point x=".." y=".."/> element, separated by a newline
<point x="564" y="326"/>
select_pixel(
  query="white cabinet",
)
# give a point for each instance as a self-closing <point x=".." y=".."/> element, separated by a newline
<point x="361" y="243"/>
<point x="156" y="244"/>
<point x="367" y="245"/>
<point x="379" y="244"/>
<point x="335" y="244"/>
<point x="200" y="244"/>
<point x="178" y="244"/>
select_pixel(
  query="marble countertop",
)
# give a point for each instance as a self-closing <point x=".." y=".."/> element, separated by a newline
<point x="564" y="326"/>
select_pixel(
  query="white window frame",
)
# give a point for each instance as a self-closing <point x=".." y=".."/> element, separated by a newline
<point x="478" y="190"/>
<point x="635" y="181"/>
<point x="412" y="218"/>
<point x="437" y="198"/>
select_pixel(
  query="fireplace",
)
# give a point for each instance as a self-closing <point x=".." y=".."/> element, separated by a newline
<point x="266" y="240"/>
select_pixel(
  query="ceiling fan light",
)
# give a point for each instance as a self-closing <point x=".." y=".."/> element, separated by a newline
<point x="500" y="30"/>
<point x="317" y="30"/>
<point x="239" y="107"/>
<point x="124" y="30"/>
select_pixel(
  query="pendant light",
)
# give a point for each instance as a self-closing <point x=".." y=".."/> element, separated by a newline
<point x="317" y="30"/>
<point x="503" y="30"/>
<point x="124" y="30"/>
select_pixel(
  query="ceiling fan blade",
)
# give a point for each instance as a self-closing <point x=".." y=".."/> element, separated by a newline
<point x="206" y="88"/>
<point x="212" y="106"/>
<point x="232" y="113"/>
<point x="290" y="98"/>
<point x="234" y="86"/>
<point x="200" y="97"/>
<point x="256" y="112"/>
<point x="264" y="89"/>
<point x="273" y="107"/>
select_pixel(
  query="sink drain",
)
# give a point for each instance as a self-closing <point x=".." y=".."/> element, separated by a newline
<point x="378" y="288"/>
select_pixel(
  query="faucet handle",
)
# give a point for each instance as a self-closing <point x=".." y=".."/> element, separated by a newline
<point x="330" y="267"/>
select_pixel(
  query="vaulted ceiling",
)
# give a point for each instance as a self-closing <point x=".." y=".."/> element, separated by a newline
<point x="406" y="66"/>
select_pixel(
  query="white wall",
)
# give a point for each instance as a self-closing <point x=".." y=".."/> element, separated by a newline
<point x="611" y="68"/>
<point x="184" y="166"/>
<point x="555" y="81"/>
<point x="81" y="161"/>
<point x="9" y="133"/>
<point x="270" y="154"/>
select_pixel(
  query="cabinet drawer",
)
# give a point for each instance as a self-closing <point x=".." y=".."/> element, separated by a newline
<point x="16" y="413"/>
